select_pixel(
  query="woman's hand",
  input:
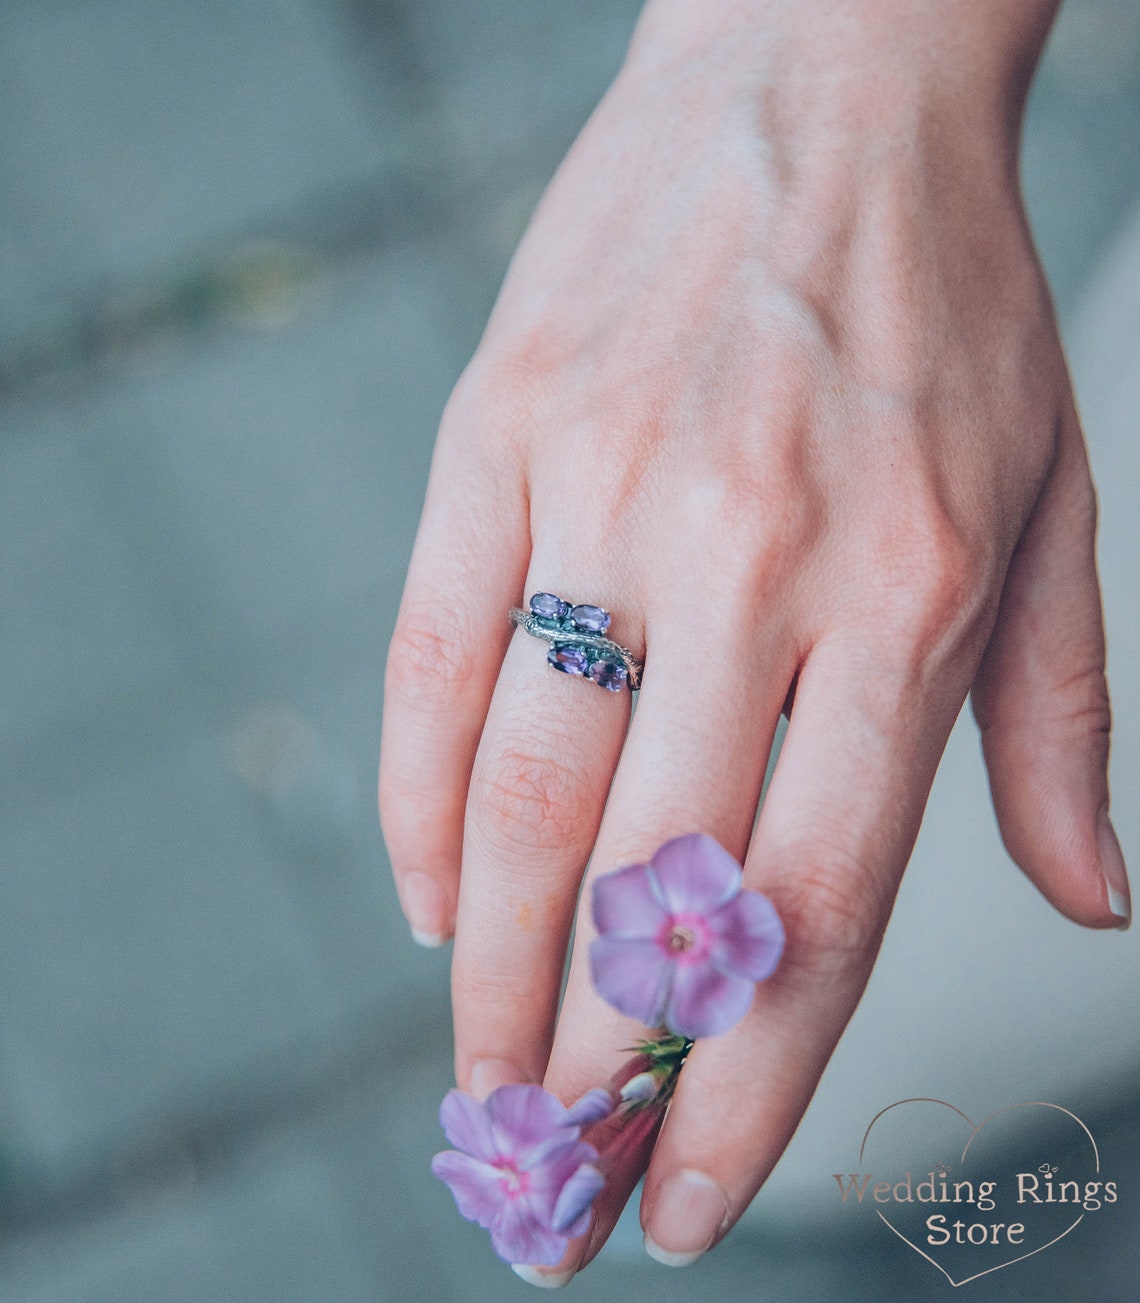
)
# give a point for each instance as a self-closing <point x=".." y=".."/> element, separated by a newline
<point x="774" y="378"/>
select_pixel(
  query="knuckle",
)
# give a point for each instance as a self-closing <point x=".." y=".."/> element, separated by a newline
<point x="747" y="516"/>
<point x="1082" y="705"/>
<point x="521" y="798"/>
<point x="507" y="387"/>
<point x="526" y="358"/>
<point x="490" y="416"/>
<point x="1071" y="713"/>
<point x="938" y="587"/>
<point x="411" y="818"/>
<point x="487" y="990"/>
<point x="428" y="661"/>
<point x="1084" y="510"/>
<point x="788" y="528"/>
<point x="833" y="916"/>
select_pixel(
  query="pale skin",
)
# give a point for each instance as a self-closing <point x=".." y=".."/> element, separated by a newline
<point x="774" y="377"/>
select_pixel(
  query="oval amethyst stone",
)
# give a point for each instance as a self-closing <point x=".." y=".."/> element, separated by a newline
<point x="548" y="606"/>
<point x="590" y="619"/>
<point x="609" y="674"/>
<point x="570" y="660"/>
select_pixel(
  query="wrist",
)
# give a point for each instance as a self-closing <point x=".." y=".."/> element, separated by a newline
<point x="855" y="64"/>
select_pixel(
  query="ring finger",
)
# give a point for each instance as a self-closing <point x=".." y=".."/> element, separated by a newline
<point x="538" y="787"/>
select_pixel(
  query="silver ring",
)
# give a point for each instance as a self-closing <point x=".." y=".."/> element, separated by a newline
<point x="578" y="642"/>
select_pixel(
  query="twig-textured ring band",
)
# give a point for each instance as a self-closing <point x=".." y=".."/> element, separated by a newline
<point x="578" y="642"/>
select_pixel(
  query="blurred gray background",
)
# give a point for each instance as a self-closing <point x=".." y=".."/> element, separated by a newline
<point x="246" y="247"/>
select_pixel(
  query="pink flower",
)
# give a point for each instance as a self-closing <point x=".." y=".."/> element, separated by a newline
<point x="681" y="943"/>
<point x="520" y="1170"/>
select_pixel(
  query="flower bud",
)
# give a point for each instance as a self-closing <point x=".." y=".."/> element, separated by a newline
<point x="640" y="1089"/>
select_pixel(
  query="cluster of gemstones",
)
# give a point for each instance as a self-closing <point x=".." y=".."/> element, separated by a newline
<point x="573" y="656"/>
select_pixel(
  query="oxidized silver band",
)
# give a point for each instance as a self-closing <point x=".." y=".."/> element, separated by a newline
<point x="578" y="642"/>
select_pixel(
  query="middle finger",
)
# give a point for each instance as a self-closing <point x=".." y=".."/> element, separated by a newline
<point x="694" y="760"/>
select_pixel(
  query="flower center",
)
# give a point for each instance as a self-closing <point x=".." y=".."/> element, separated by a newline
<point x="681" y="938"/>
<point x="514" y="1182"/>
<point x="685" y="938"/>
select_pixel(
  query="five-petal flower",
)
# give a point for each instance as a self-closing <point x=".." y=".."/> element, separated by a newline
<point x="519" y="1168"/>
<point x="681" y="942"/>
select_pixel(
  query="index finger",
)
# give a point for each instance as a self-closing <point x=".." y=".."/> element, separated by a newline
<point x="451" y="633"/>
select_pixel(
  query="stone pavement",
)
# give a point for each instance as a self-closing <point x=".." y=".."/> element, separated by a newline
<point x="246" y="248"/>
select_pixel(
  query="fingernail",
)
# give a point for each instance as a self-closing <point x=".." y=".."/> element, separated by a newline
<point x="689" y="1211"/>
<point x="543" y="1279"/>
<point x="488" y="1074"/>
<point x="1115" y="874"/>
<point x="429" y="940"/>
<point x="426" y="907"/>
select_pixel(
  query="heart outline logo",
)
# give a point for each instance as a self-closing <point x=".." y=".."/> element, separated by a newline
<point x="975" y="1129"/>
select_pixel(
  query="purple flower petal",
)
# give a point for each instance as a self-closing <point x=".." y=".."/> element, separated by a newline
<point x="633" y="975"/>
<point x="527" y="1122"/>
<point x="546" y="1180"/>
<point x="477" y="1186"/>
<point x="592" y="1107"/>
<point x="518" y="1236"/>
<point x="537" y="1164"/>
<point x="704" y="1002"/>
<point x="625" y="902"/>
<point x="575" y="1198"/>
<point x="749" y="937"/>
<point x="549" y="1180"/>
<point x="579" y="1227"/>
<point x="695" y="874"/>
<point x="683" y="919"/>
<point x="467" y="1126"/>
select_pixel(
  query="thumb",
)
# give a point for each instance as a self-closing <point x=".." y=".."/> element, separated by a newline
<point x="1041" y="702"/>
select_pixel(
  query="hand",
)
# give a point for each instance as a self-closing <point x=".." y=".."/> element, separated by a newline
<point x="774" y="377"/>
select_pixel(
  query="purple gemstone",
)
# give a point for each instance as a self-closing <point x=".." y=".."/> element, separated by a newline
<point x="548" y="606"/>
<point x="570" y="660"/>
<point x="609" y="674"/>
<point x="590" y="619"/>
